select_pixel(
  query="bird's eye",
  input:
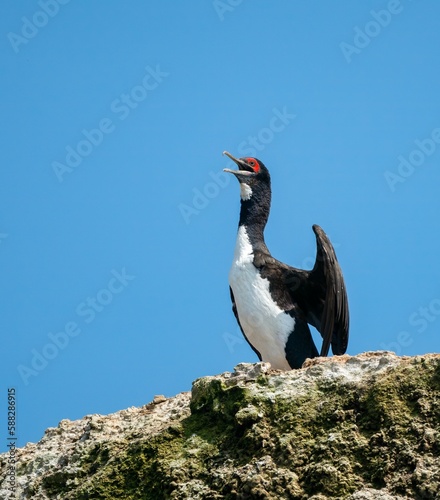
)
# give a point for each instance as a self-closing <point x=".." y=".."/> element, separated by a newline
<point x="254" y="164"/>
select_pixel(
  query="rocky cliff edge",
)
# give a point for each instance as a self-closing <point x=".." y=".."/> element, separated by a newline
<point x="361" y="427"/>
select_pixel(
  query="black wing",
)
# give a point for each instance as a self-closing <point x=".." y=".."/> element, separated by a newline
<point x="321" y="295"/>
<point x="234" y="310"/>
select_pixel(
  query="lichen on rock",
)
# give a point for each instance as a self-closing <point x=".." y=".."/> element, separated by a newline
<point x="358" y="428"/>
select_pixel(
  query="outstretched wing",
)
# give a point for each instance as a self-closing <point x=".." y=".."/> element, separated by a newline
<point x="321" y="295"/>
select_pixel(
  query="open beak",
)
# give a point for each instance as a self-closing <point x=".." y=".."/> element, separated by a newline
<point x="243" y="167"/>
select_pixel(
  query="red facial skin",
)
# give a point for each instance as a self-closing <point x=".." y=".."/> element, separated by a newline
<point x="254" y="164"/>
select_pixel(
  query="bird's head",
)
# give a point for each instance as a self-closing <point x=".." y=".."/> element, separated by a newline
<point x="251" y="174"/>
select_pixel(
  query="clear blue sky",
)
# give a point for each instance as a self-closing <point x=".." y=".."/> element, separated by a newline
<point x="117" y="226"/>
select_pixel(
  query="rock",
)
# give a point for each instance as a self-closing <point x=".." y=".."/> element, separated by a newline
<point x="357" y="428"/>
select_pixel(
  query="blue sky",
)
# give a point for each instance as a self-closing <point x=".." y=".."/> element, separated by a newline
<point x="117" y="224"/>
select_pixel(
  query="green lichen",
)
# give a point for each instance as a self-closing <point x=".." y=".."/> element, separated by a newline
<point x="336" y="438"/>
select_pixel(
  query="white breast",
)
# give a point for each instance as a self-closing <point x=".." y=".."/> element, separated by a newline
<point x="266" y="326"/>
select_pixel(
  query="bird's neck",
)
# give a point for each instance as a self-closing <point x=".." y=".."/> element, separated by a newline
<point x="254" y="214"/>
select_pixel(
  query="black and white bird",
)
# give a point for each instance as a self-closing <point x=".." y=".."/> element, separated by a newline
<point x="273" y="302"/>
